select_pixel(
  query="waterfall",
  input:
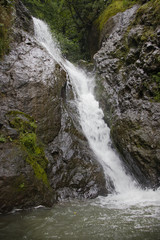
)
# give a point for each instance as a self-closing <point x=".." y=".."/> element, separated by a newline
<point x="96" y="130"/>
<point x="92" y="123"/>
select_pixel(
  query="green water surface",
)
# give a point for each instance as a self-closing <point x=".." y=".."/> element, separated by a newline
<point x="83" y="220"/>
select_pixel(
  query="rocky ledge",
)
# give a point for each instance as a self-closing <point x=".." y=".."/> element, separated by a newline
<point x="129" y="88"/>
<point x="44" y="156"/>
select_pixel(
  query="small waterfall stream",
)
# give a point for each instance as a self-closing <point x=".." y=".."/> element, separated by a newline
<point x="91" y="117"/>
<point x="96" y="130"/>
<point x="128" y="213"/>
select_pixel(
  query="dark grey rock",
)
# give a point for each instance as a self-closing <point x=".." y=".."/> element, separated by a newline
<point x="73" y="166"/>
<point x="32" y="83"/>
<point x="23" y="18"/>
<point x="128" y="65"/>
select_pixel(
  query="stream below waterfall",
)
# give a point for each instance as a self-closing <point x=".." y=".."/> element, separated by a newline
<point x="128" y="213"/>
<point x="98" y="219"/>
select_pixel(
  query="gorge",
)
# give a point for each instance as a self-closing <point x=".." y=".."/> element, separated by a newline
<point x="49" y="115"/>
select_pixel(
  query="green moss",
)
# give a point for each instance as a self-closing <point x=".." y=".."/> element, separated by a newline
<point x="148" y="16"/>
<point x="156" y="79"/>
<point x="145" y="16"/>
<point x="22" y="122"/>
<point x="2" y="139"/>
<point x="115" y="7"/>
<point x="15" y="113"/>
<point x="28" y="141"/>
<point x="148" y="32"/>
<point x="35" y="162"/>
<point x="21" y="186"/>
<point x="6" y="8"/>
<point x="150" y="10"/>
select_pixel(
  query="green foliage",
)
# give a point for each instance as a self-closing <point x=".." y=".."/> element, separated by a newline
<point x="70" y="48"/>
<point x="84" y="12"/>
<point x="60" y="23"/>
<point x="2" y="139"/>
<point x="36" y="156"/>
<point x="27" y="139"/>
<point x="39" y="171"/>
<point x="6" y="8"/>
<point x="70" y="21"/>
<point x="21" y="186"/>
<point x="22" y="122"/>
<point x="114" y="7"/>
<point x="148" y="33"/>
<point x="152" y="10"/>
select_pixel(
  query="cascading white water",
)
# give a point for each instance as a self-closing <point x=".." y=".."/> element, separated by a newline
<point x="93" y="125"/>
<point x="95" y="129"/>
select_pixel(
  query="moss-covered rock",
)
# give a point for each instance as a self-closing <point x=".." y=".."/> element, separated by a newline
<point x="27" y="140"/>
<point x="156" y="79"/>
<point x="112" y="9"/>
<point x="6" y="21"/>
<point x="45" y="156"/>
<point x="104" y="24"/>
<point x="128" y="89"/>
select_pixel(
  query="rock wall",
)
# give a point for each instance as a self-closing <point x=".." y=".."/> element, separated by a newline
<point x="44" y="156"/>
<point x="129" y="88"/>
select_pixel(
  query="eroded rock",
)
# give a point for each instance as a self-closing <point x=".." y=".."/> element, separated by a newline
<point x="44" y="155"/>
<point x="128" y="89"/>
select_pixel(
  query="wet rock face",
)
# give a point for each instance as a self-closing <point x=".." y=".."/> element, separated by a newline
<point x="29" y="84"/>
<point x="35" y="116"/>
<point x="74" y="171"/>
<point x="128" y="89"/>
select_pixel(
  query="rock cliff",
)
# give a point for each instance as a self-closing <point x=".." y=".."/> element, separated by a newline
<point x="128" y="88"/>
<point x="44" y="156"/>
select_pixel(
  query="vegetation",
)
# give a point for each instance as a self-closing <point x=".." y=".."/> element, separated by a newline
<point x="70" y="21"/>
<point x="114" y="7"/>
<point x="151" y="9"/>
<point x="6" y="8"/>
<point x="27" y="140"/>
<point x="148" y="16"/>
<point x="156" y="79"/>
<point x="2" y="139"/>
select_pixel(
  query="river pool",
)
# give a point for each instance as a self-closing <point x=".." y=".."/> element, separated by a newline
<point x="82" y="220"/>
